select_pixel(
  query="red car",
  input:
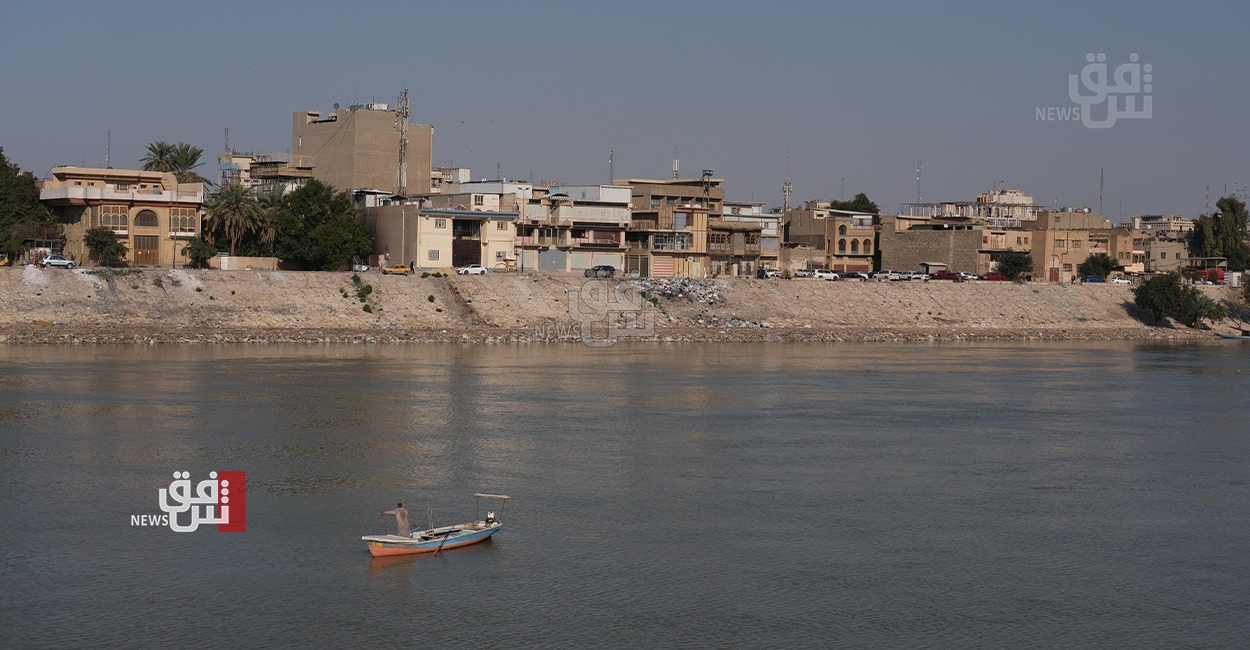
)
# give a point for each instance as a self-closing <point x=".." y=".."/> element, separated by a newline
<point x="998" y="277"/>
<point x="947" y="275"/>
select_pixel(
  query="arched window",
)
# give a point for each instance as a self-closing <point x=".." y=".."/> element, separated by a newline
<point x="842" y="230"/>
<point x="146" y="218"/>
<point x="867" y="246"/>
<point x="855" y="247"/>
<point x="841" y="245"/>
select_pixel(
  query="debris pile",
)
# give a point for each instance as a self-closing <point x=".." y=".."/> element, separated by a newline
<point x="693" y="290"/>
<point x="707" y="320"/>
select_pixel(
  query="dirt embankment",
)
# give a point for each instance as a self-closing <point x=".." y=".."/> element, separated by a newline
<point x="164" y="305"/>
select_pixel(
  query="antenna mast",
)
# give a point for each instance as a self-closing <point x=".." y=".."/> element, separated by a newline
<point x="401" y="114"/>
<point x="676" y="163"/>
<point x="611" y="174"/>
<point x="786" y="188"/>
<point x="917" y="181"/>
<point x="108" y="150"/>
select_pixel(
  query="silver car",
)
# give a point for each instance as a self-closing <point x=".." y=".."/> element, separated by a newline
<point x="57" y="260"/>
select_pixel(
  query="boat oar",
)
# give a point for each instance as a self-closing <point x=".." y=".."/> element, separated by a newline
<point x="440" y="544"/>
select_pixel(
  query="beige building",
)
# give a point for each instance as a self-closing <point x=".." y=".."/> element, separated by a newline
<point x="771" y="227"/>
<point x="670" y="241"/>
<point x="1062" y="241"/>
<point x="263" y="170"/>
<point x="574" y="227"/>
<point x="912" y="244"/>
<point x="150" y="212"/>
<point x="416" y="232"/>
<point x="847" y="239"/>
<point x="357" y="148"/>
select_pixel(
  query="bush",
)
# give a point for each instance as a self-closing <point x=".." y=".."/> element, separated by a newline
<point x="1169" y="295"/>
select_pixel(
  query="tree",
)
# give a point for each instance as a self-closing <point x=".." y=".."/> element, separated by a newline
<point x="1097" y="264"/>
<point x="104" y="246"/>
<point x="1015" y="265"/>
<point x="861" y="203"/>
<point x="178" y="159"/>
<point x="198" y="252"/>
<point x="271" y="199"/>
<point x="233" y="211"/>
<point x="317" y="227"/>
<point x="1169" y="295"/>
<point x="1223" y="234"/>
<point x="22" y="216"/>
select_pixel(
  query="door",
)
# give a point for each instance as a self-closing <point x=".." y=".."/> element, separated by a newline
<point x="146" y="253"/>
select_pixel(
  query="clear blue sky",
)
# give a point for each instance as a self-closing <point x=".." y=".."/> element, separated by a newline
<point x="547" y="88"/>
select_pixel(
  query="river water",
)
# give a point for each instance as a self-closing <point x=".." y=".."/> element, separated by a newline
<point x="757" y="496"/>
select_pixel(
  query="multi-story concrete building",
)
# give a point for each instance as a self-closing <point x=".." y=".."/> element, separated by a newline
<point x="429" y="234"/>
<point x="1164" y="226"/>
<point x="848" y="240"/>
<point x="1062" y="241"/>
<point x="263" y="170"/>
<point x="357" y="148"/>
<point x="574" y="227"/>
<point x="150" y="212"/>
<point x="770" y="224"/>
<point x="1165" y="255"/>
<point x="669" y="241"/>
<point x="998" y="209"/>
<point x="911" y="244"/>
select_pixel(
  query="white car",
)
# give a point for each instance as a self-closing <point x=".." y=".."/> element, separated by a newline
<point x="824" y="274"/>
<point x="57" y="260"/>
<point x="472" y="269"/>
<point x="1120" y="281"/>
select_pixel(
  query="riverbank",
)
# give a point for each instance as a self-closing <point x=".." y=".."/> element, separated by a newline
<point x="209" y="306"/>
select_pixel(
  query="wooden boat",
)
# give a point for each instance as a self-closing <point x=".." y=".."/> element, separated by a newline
<point x="1236" y="337"/>
<point x="433" y="540"/>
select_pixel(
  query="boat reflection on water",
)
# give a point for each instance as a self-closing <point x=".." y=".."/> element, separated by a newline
<point x="404" y="563"/>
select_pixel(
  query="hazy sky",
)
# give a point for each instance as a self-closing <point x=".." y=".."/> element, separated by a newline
<point x="546" y="89"/>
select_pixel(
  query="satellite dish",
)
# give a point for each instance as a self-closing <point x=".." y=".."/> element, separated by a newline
<point x="336" y="106"/>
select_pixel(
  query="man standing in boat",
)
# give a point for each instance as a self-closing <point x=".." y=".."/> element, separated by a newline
<point x="401" y="519"/>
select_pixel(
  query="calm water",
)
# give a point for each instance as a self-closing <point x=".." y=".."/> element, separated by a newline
<point x="982" y="495"/>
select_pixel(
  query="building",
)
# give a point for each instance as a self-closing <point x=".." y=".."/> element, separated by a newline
<point x="574" y="227"/>
<point x="1165" y="255"/>
<point x="998" y="209"/>
<point x="438" y="235"/>
<point x="265" y="170"/>
<point x="770" y="224"/>
<point x="667" y="235"/>
<point x="1062" y="241"/>
<point x="847" y="240"/>
<point x="150" y="212"/>
<point x="1163" y="226"/>
<point x="357" y="148"/>
<point x="908" y="243"/>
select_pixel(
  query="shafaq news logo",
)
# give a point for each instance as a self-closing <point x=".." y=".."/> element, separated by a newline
<point x="220" y="499"/>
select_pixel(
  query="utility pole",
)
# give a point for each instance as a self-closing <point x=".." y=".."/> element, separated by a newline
<point x="401" y="114"/>
<point x="611" y="173"/>
<point x="917" y="181"/>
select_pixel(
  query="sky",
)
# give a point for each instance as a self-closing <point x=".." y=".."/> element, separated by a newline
<point x="847" y="98"/>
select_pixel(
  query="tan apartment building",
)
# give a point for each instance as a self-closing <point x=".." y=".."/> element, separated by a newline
<point x="571" y="228"/>
<point x="416" y="232"/>
<point x="1165" y="255"/>
<point x="153" y="214"/>
<point x="357" y="148"/>
<point x="1062" y="241"/>
<point x="848" y="240"/>
<point x="670" y="241"/>
<point x="909" y="243"/>
<point x="770" y="223"/>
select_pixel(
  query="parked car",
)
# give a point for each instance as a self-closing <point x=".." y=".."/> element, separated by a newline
<point x="359" y="268"/>
<point x="994" y="277"/>
<point x="399" y="269"/>
<point x="824" y="274"/>
<point x="4" y="259"/>
<point x="913" y="275"/>
<point x="968" y="276"/>
<point x="601" y="271"/>
<point x="883" y="275"/>
<point x="852" y="275"/>
<point x="1092" y="278"/>
<point x="1121" y="281"/>
<point x="947" y="275"/>
<point x="471" y="269"/>
<point x="804" y="273"/>
<point x="57" y="260"/>
<point x="764" y="273"/>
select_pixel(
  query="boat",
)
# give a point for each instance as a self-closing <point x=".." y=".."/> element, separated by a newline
<point x="433" y="540"/>
<point x="1244" y="336"/>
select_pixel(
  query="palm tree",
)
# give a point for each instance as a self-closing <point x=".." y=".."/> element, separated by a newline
<point x="179" y="159"/>
<point x="271" y="199"/>
<point x="159" y="158"/>
<point x="184" y="161"/>
<point x="233" y="208"/>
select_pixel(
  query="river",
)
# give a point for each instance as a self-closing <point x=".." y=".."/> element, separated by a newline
<point x="756" y="496"/>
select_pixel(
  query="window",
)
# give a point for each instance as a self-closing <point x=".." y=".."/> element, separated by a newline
<point x="432" y="255"/>
<point x="1019" y="240"/>
<point x="1163" y="255"/>
<point x="842" y="230"/>
<point x="501" y="225"/>
<point x="655" y="203"/>
<point x="501" y="256"/>
<point x="146" y="242"/>
<point x="855" y="247"/>
<point x="867" y="247"/>
<point x="478" y="199"/>
<point x="113" y="217"/>
<point x="182" y="220"/>
<point x="439" y="223"/>
<point x="146" y="218"/>
<point x="841" y="245"/>
<point x="985" y="240"/>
